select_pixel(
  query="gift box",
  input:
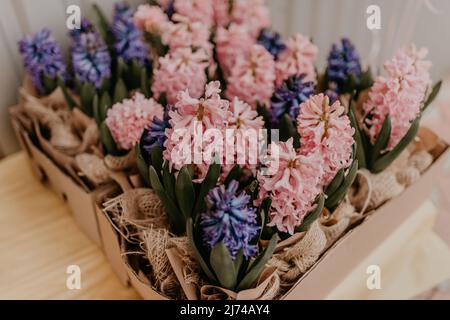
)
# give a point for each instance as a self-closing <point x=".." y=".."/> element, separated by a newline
<point x="342" y="256"/>
<point x="111" y="241"/>
<point x="79" y="198"/>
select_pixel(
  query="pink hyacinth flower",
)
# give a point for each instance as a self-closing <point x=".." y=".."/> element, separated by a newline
<point x="180" y="70"/>
<point x="127" y="119"/>
<point x="253" y="14"/>
<point x="298" y="58"/>
<point x="151" y="19"/>
<point x="196" y="10"/>
<point x="187" y="34"/>
<point x="293" y="184"/>
<point x="252" y="78"/>
<point x="221" y="9"/>
<point x="232" y="44"/>
<point x="399" y="94"/>
<point x="245" y="124"/>
<point x="326" y="129"/>
<point x="191" y="117"/>
<point x="287" y="212"/>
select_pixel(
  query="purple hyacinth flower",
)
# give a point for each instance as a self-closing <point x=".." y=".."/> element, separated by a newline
<point x="170" y="10"/>
<point x="272" y="41"/>
<point x="90" y="58"/>
<point x="42" y="57"/>
<point x="343" y="62"/>
<point x="230" y="219"/>
<point x="155" y="135"/>
<point x="288" y="97"/>
<point x="85" y="27"/>
<point x="129" y="43"/>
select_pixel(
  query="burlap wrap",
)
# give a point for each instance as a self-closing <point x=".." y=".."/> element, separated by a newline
<point x="75" y="135"/>
<point x="163" y="278"/>
<point x="334" y="225"/>
<point x="266" y="288"/>
<point x="134" y="211"/>
<point x="294" y="260"/>
<point x="390" y="183"/>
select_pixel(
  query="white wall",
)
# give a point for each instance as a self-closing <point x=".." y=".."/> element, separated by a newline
<point x="325" y="20"/>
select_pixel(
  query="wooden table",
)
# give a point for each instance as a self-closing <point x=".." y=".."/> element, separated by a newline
<point x="39" y="240"/>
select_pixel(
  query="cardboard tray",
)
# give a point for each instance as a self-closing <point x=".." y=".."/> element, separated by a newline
<point x="80" y="201"/>
<point x="336" y="263"/>
<point x="358" y="243"/>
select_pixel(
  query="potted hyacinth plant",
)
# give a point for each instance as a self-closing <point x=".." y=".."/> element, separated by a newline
<point x="391" y="115"/>
<point x="43" y="61"/>
<point x="109" y="64"/>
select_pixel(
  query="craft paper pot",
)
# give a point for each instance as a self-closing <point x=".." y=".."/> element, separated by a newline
<point x="80" y="201"/>
<point x="358" y="243"/>
<point x="111" y="246"/>
<point x="143" y="288"/>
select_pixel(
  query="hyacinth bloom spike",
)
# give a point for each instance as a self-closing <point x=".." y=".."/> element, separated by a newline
<point x="289" y="96"/>
<point x="272" y="41"/>
<point x="128" y="119"/>
<point x="298" y="58"/>
<point x="252" y="79"/>
<point x="343" y="66"/>
<point x="155" y="134"/>
<point x="399" y="94"/>
<point x="128" y="38"/>
<point x="325" y="128"/>
<point x="90" y="58"/>
<point x="231" y="220"/>
<point x="293" y="185"/>
<point x="43" y="60"/>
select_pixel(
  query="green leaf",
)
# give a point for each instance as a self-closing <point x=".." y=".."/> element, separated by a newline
<point x="120" y="91"/>
<point x="87" y="97"/>
<point x="122" y="69"/>
<point x="162" y="100"/>
<point x="169" y="181"/>
<point x="145" y="84"/>
<point x="263" y="112"/>
<point x="336" y="197"/>
<point x="67" y="96"/>
<point x="104" y="105"/>
<point x="258" y="265"/>
<point x="107" y="139"/>
<point x="96" y="111"/>
<point x="239" y="262"/>
<point x="223" y="266"/>
<point x="234" y="174"/>
<point x="198" y="256"/>
<point x="382" y="140"/>
<point x="384" y="161"/>
<point x="176" y="218"/>
<point x="104" y="27"/>
<point x="157" y="158"/>
<point x="106" y="84"/>
<point x="366" y="80"/>
<point x="433" y="95"/>
<point x="184" y="191"/>
<point x="336" y="182"/>
<point x="50" y="84"/>
<point x="313" y="215"/>
<point x="142" y="165"/>
<point x="361" y="146"/>
<point x="287" y="131"/>
<point x="208" y="183"/>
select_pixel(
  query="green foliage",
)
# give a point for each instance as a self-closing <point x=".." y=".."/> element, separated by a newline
<point x="218" y="265"/>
